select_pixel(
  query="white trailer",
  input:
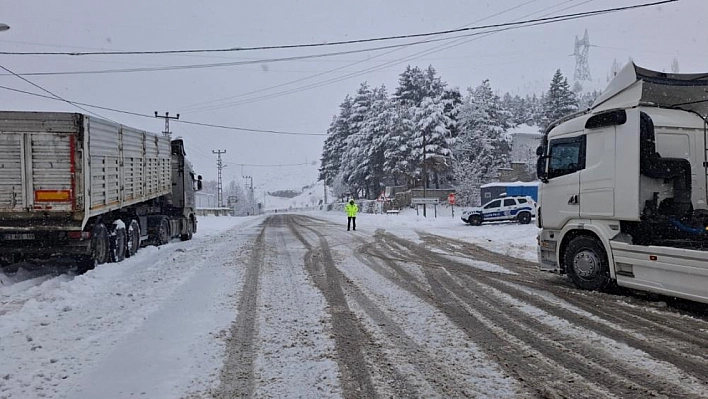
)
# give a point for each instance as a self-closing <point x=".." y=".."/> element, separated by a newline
<point x="79" y="185"/>
<point x="623" y="197"/>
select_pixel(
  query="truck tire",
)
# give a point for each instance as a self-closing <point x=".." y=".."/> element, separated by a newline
<point x="133" y="238"/>
<point x="190" y="230"/>
<point x="118" y="242"/>
<point x="163" y="233"/>
<point x="100" y="250"/>
<point x="475" y="220"/>
<point x="524" y="218"/>
<point x="586" y="263"/>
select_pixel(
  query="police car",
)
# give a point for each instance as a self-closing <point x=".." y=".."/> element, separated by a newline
<point x="521" y="209"/>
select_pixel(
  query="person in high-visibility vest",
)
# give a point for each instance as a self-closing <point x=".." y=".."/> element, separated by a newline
<point x="351" y="210"/>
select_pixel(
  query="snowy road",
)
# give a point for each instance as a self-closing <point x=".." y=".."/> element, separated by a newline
<point x="295" y="306"/>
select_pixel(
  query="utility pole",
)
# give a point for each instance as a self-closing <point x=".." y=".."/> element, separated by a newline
<point x="251" y="194"/>
<point x="425" y="176"/>
<point x="219" y="166"/>
<point x="167" y="118"/>
<point x="325" y="194"/>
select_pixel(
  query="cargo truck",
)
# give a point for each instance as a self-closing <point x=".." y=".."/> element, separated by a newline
<point x="72" y="185"/>
<point x="623" y="198"/>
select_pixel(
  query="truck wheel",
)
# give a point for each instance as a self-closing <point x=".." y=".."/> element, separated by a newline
<point x="474" y="220"/>
<point x="190" y="230"/>
<point x="118" y="242"/>
<point x="163" y="232"/>
<point x="133" y="238"/>
<point x="100" y="249"/>
<point x="586" y="263"/>
<point x="524" y="218"/>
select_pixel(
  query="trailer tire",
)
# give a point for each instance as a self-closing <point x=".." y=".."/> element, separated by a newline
<point x="100" y="250"/>
<point x="586" y="263"/>
<point x="524" y="218"/>
<point x="118" y="242"/>
<point x="163" y="233"/>
<point x="132" y="243"/>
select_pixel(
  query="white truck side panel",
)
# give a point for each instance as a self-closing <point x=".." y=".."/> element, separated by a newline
<point x="127" y="166"/>
<point x="671" y="271"/>
<point x="11" y="172"/>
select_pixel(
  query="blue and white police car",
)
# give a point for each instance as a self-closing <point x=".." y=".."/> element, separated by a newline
<point x="521" y="209"/>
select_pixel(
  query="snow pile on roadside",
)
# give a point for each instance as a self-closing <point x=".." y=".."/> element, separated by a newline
<point x="56" y="329"/>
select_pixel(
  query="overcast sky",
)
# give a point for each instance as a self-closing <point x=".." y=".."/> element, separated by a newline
<point x="520" y="61"/>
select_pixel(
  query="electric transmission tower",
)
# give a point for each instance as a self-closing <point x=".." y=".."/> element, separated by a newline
<point x="582" y="53"/>
<point x="219" y="166"/>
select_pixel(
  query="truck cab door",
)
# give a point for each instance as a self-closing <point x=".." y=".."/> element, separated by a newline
<point x="560" y="193"/>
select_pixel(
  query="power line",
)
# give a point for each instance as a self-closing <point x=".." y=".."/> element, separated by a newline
<point x="250" y="130"/>
<point x="268" y="165"/>
<point x="348" y="65"/>
<point x="225" y="64"/>
<point x="367" y="70"/>
<point x="53" y="96"/>
<point x="344" y="42"/>
<point x="76" y="104"/>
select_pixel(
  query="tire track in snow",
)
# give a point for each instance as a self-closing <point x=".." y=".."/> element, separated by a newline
<point x="237" y="375"/>
<point x="544" y="378"/>
<point x="679" y="333"/>
<point x="349" y="334"/>
<point x="599" y="370"/>
<point x="432" y="371"/>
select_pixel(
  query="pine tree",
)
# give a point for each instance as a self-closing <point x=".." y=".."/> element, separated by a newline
<point x="433" y="134"/>
<point x="481" y="148"/>
<point x="355" y="162"/>
<point x="335" y="144"/>
<point x="559" y="101"/>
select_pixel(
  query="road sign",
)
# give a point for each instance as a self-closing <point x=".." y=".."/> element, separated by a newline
<point x="425" y="201"/>
<point x="451" y="198"/>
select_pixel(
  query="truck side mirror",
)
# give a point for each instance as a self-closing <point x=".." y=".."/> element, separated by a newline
<point x="540" y="150"/>
<point x="199" y="183"/>
<point x="541" y="168"/>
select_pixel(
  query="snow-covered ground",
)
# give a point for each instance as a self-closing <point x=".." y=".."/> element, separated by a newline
<point x="507" y="238"/>
<point x="146" y="326"/>
<point x="296" y="306"/>
<point x="149" y="326"/>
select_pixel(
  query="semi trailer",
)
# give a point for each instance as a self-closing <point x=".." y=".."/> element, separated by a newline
<point x="73" y="185"/>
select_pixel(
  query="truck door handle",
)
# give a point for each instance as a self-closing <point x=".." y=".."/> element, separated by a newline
<point x="573" y="200"/>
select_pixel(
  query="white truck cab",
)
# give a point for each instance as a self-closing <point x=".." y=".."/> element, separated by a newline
<point x="623" y="192"/>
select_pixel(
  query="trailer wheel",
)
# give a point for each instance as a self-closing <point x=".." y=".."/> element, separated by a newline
<point x="474" y="220"/>
<point x="163" y="232"/>
<point x="118" y="242"/>
<point x="586" y="263"/>
<point x="524" y="218"/>
<point x="133" y="238"/>
<point x="100" y="249"/>
<point x="190" y="230"/>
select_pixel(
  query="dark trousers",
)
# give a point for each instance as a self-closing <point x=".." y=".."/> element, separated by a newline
<point x="351" y="222"/>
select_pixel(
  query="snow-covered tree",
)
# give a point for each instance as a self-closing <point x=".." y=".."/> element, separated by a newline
<point x="432" y="133"/>
<point x="335" y="145"/>
<point x="355" y="162"/>
<point x="481" y="148"/>
<point x="559" y="101"/>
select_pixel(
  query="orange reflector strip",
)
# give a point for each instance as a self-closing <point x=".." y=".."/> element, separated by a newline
<point x="653" y="257"/>
<point x="52" y="195"/>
